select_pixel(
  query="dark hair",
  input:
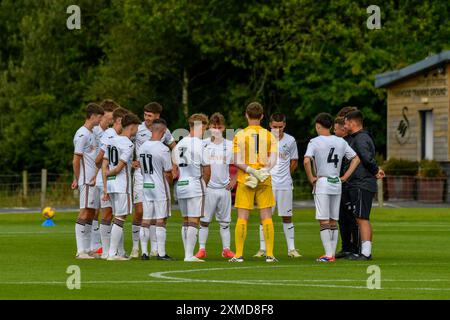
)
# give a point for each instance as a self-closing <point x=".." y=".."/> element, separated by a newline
<point x="217" y="119"/>
<point x="109" y="105"/>
<point x="160" y="121"/>
<point x="278" y="117"/>
<point x="153" y="107"/>
<point x="119" y="113"/>
<point x="93" y="108"/>
<point x="345" y="110"/>
<point x="355" y="115"/>
<point x="129" y="119"/>
<point x="254" y="110"/>
<point x="325" y="120"/>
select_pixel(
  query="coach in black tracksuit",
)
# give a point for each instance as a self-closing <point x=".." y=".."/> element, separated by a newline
<point x="362" y="184"/>
<point x="348" y="228"/>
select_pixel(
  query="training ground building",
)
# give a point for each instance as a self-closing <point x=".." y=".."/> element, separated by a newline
<point x="418" y="108"/>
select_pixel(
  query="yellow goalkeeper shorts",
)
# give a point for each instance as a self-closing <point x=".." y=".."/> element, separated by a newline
<point x="246" y="197"/>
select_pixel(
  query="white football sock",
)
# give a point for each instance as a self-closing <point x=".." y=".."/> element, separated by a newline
<point x="105" y="235"/>
<point x="116" y="236"/>
<point x="325" y="235"/>
<point x="366" y="248"/>
<point x="161" y="239"/>
<point x="135" y="230"/>
<point x="87" y="237"/>
<point x="121" y="247"/>
<point x="225" y="234"/>
<point x="183" y="235"/>
<point x="153" y="240"/>
<point x="262" y="242"/>
<point x="191" y="240"/>
<point x="334" y="240"/>
<point x="95" y="236"/>
<point x="145" y="236"/>
<point x="79" y="234"/>
<point x="288" y="229"/>
<point x="203" y="237"/>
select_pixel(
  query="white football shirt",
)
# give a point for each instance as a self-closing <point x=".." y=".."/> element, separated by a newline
<point x="220" y="157"/>
<point x="106" y="138"/>
<point x="98" y="133"/>
<point x="155" y="160"/>
<point x="85" y="146"/>
<point x="190" y="155"/>
<point x="144" y="134"/>
<point x="120" y="148"/>
<point x="327" y="153"/>
<point x="281" y="172"/>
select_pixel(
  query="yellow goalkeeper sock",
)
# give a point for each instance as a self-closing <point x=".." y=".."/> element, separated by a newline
<point x="269" y="232"/>
<point x="240" y="235"/>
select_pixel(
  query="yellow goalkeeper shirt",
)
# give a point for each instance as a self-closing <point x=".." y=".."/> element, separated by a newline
<point x="253" y="146"/>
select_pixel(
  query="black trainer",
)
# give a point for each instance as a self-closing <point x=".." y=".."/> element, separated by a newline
<point x="165" y="258"/>
<point x="342" y="254"/>
<point x="359" y="257"/>
<point x="145" y="257"/>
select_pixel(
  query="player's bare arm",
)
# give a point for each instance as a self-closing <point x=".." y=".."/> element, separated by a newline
<point x="308" y="169"/>
<point x="353" y="165"/>
<point x="116" y="169"/>
<point x="293" y="165"/>
<point x="105" y="163"/>
<point x="273" y="158"/>
<point x="76" y="170"/>
<point x="206" y="173"/>
<point x="169" y="177"/>
<point x="172" y="145"/>
<point x="233" y="181"/>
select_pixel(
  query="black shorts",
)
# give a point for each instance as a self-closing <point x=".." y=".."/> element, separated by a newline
<point x="361" y="202"/>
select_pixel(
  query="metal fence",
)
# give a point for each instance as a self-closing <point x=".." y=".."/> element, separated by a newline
<point x="37" y="190"/>
<point x="44" y="188"/>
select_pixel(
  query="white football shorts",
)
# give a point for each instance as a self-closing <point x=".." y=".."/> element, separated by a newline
<point x="89" y="198"/>
<point x="192" y="207"/>
<point x="283" y="200"/>
<point x="138" y="187"/>
<point x="218" y="203"/>
<point x="156" y="209"/>
<point x="121" y="204"/>
<point x="327" y="206"/>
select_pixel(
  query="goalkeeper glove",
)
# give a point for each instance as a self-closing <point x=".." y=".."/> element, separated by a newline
<point x="261" y="174"/>
<point x="251" y="182"/>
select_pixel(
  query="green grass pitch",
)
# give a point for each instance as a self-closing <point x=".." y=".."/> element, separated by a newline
<point x="410" y="247"/>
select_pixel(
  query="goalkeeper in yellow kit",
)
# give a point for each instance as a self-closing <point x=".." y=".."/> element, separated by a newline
<point x="255" y="153"/>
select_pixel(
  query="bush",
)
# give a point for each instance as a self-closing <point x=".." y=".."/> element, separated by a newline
<point x="430" y="169"/>
<point x="400" y="167"/>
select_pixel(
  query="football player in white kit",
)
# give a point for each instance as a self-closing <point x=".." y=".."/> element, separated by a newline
<point x="116" y="172"/>
<point x="107" y="120"/>
<point x="193" y="164"/>
<point x="326" y="152"/>
<point x="282" y="184"/>
<point x="84" y="170"/>
<point x="105" y="205"/>
<point x="156" y="168"/>
<point x="152" y="111"/>
<point x="218" y="194"/>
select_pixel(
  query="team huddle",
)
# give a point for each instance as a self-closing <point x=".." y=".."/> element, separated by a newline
<point x="123" y="166"/>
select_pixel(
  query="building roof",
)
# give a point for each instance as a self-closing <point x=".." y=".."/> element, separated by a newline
<point x="387" y="78"/>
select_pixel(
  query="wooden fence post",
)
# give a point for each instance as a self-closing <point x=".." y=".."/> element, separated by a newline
<point x="25" y="185"/>
<point x="43" y="187"/>
<point x="380" y="193"/>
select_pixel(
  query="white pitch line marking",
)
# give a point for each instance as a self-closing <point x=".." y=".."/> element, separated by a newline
<point x="164" y="275"/>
